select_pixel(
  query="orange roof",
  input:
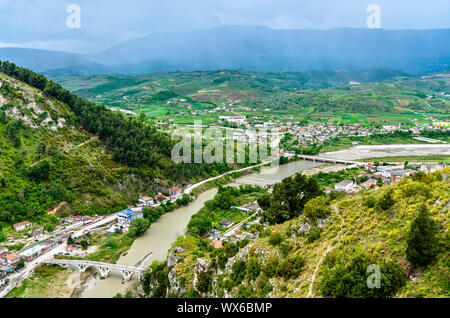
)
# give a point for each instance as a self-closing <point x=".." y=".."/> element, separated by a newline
<point x="217" y="243"/>
<point x="12" y="257"/>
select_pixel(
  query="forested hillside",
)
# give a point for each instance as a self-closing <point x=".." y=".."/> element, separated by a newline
<point x="59" y="150"/>
<point x="324" y="247"/>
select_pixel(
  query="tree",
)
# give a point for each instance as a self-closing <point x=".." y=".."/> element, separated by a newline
<point x="84" y="244"/>
<point x="288" y="198"/>
<point x="422" y="240"/>
<point x="317" y="208"/>
<point x="69" y="240"/>
<point x="387" y="200"/>
<point x="3" y="236"/>
<point x="138" y="227"/>
<point x="291" y="267"/>
<point x="253" y="269"/>
<point x="203" y="281"/>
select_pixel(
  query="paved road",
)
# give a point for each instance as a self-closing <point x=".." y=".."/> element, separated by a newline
<point x="189" y="189"/>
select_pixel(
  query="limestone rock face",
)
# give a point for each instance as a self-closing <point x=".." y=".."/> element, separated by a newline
<point x="173" y="258"/>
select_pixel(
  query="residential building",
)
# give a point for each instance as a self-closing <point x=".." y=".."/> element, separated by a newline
<point x="22" y="226"/>
<point x="12" y="259"/>
<point x="250" y="207"/>
<point x="226" y="223"/>
<point x="162" y="198"/>
<point x="175" y="191"/>
<point x="399" y="174"/>
<point x="344" y="185"/>
<point x="371" y="183"/>
<point x="145" y="201"/>
<point x="34" y="251"/>
<point x="386" y="170"/>
<point x="431" y="167"/>
<point x="127" y="216"/>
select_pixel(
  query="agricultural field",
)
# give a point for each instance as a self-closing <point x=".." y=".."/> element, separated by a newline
<point x="335" y="96"/>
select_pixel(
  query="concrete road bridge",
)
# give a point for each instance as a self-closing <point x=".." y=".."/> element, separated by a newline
<point x="104" y="268"/>
<point x="329" y="160"/>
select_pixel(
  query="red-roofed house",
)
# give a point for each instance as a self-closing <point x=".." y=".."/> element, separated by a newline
<point x="174" y="191"/>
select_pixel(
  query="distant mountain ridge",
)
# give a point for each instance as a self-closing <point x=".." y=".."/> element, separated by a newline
<point x="254" y="48"/>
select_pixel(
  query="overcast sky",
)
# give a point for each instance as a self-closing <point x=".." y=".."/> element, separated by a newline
<point x="104" y="23"/>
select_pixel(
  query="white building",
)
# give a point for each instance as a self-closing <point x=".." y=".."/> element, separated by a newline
<point x="344" y="185"/>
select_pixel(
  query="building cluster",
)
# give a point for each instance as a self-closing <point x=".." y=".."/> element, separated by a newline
<point x="10" y="261"/>
<point x="218" y="236"/>
<point x="304" y="136"/>
<point x="386" y="175"/>
<point x="174" y="194"/>
<point x="75" y="221"/>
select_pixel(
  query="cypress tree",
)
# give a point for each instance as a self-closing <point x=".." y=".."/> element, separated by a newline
<point x="422" y="240"/>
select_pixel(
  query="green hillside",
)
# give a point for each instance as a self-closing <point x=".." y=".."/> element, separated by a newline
<point x="61" y="151"/>
<point x="45" y="160"/>
<point x="326" y="250"/>
<point x="361" y="96"/>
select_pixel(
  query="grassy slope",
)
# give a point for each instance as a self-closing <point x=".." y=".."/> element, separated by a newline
<point x="354" y="229"/>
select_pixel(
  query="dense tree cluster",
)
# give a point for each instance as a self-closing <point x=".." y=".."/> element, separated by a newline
<point x="289" y="198"/>
<point x="132" y="142"/>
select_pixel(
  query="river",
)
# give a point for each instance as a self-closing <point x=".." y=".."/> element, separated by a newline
<point x="166" y="229"/>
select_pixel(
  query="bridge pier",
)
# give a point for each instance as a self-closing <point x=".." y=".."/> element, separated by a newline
<point x="82" y="268"/>
<point x="104" y="271"/>
<point x="126" y="275"/>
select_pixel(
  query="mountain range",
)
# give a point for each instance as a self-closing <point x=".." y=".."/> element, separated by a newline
<point x="254" y="48"/>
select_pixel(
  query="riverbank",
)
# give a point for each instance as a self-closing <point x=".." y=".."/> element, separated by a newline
<point x="421" y="159"/>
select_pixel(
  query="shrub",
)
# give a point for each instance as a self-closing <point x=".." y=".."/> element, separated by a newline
<point x="370" y="201"/>
<point x="313" y="234"/>
<point x="253" y="269"/>
<point x="138" y="227"/>
<point x="238" y="271"/>
<point x="387" y="200"/>
<point x="317" y="208"/>
<point x="291" y="267"/>
<point x="350" y="281"/>
<point x="275" y="238"/>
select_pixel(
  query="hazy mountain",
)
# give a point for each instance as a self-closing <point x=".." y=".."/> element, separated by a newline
<point x="42" y="60"/>
<point x="254" y="48"/>
<point x="264" y="49"/>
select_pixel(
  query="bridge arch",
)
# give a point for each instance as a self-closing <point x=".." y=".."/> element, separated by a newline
<point x="103" y="268"/>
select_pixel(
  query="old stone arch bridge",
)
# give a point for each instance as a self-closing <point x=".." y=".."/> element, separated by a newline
<point x="104" y="268"/>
